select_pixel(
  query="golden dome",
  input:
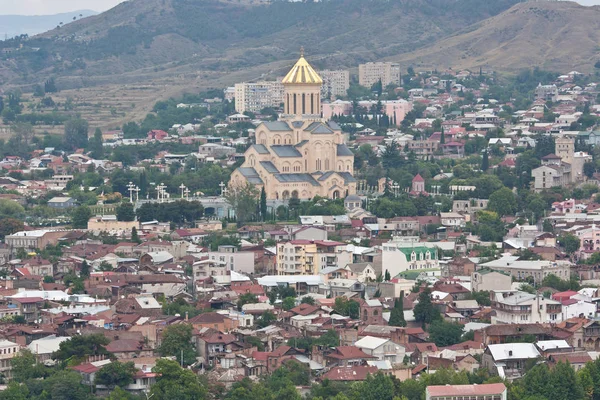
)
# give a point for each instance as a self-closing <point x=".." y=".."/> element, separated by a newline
<point x="302" y="72"/>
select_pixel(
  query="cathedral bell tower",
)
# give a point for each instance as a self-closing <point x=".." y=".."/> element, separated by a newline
<point x="302" y="90"/>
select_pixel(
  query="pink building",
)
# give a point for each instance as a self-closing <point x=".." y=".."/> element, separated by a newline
<point x="562" y="207"/>
<point x="395" y="109"/>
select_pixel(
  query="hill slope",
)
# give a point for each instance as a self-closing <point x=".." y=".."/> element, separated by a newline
<point x="559" y="36"/>
<point x="147" y="39"/>
<point x="14" y="25"/>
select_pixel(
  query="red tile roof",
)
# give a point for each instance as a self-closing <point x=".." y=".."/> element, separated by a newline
<point x="348" y="352"/>
<point x="305" y="309"/>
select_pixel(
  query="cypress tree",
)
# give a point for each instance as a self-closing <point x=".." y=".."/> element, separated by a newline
<point x="485" y="162"/>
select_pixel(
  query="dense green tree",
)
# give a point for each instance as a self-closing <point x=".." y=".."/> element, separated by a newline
<point x="173" y="382"/>
<point x="288" y="303"/>
<point x="81" y="346"/>
<point x="84" y="270"/>
<point x="125" y="212"/>
<point x="444" y="333"/>
<point x="25" y="367"/>
<point x="10" y="209"/>
<point x="425" y="312"/>
<point x="80" y="217"/>
<point x="76" y="133"/>
<point x="308" y="300"/>
<point x="177" y="339"/>
<point x="246" y="298"/>
<point x="134" y="235"/>
<point x="8" y="226"/>
<point x="397" y="313"/>
<point x="95" y="145"/>
<point x="263" y="204"/>
<point x="570" y="243"/>
<point x="266" y="319"/>
<point x="115" y="374"/>
<point x="503" y="202"/>
<point x="485" y="161"/>
<point x="244" y="201"/>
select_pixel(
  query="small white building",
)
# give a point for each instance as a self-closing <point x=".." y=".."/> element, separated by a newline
<point x="383" y="349"/>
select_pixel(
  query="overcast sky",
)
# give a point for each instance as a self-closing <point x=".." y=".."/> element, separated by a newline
<point x="46" y="7"/>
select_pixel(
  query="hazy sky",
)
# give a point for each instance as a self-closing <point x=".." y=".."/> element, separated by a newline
<point x="45" y="7"/>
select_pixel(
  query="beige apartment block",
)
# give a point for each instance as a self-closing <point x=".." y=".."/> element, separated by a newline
<point x="335" y="83"/>
<point x="371" y="73"/>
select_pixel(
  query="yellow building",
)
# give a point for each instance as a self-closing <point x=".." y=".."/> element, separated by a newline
<point x="310" y="257"/>
<point x="300" y="155"/>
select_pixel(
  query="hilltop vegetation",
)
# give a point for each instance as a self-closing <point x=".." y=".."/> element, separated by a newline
<point x="140" y="35"/>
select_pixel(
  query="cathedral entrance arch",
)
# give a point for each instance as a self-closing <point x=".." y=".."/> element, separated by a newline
<point x="336" y="194"/>
<point x="285" y="195"/>
<point x="295" y="194"/>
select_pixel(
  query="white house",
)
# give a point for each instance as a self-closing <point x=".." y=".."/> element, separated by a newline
<point x="383" y="349"/>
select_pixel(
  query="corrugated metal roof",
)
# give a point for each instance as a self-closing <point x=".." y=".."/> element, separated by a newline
<point x="343" y="150"/>
<point x="277" y="126"/>
<point x="260" y="148"/>
<point x="286" y="151"/>
<point x="297" y="178"/>
<point x="269" y="167"/>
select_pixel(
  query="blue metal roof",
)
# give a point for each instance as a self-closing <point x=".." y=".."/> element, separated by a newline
<point x="297" y="178"/>
<point x="286" y="151"/>
<point x="269" y="167"/>
<point x="261" y="148"/>
<point x="251" y="175"/>
<point x="275" y="126"/>
<point x="343" y="150"/>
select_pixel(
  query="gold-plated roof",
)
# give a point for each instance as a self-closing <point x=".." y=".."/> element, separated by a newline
<point x="302" y="72"/>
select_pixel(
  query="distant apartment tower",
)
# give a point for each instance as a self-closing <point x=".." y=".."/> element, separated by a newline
<point x="335" y="83"/>
<point x="546" y="92"/>
<point x="370" y="73"/>
<point x="254" y="96"/>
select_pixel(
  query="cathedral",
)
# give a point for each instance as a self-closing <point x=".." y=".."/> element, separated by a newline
<point x="300" y="155"/>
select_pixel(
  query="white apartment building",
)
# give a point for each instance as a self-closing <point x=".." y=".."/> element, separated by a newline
<point x="254" y="96"/>
<point x="538" y="270"/>
<point x="8" y="350"/>
<point x="371" y="73"/>
<point x="233" y="259"/>
<point x="516" y="307"/>
<point x="335" y="83"/>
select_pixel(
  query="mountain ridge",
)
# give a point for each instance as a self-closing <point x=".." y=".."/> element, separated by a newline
<point x="221" y="36"/>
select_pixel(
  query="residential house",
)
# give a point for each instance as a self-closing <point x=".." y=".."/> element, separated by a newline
<point x="8" y="350"/>
<point x="344" y="356"/>
<point x="486" y="279"/>
<point x="509" y="360"/>
<point x="525" y="308"/>
<point x="383" y="349"/>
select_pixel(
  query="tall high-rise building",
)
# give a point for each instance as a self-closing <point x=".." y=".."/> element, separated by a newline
<point x="254" y="96"/>
<point x="370" y="73"/>
<point x="335" y="83"/>
<point x="301" y="155"/>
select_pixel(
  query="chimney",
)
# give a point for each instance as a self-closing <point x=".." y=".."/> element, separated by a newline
<point x="510" y="353"/>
